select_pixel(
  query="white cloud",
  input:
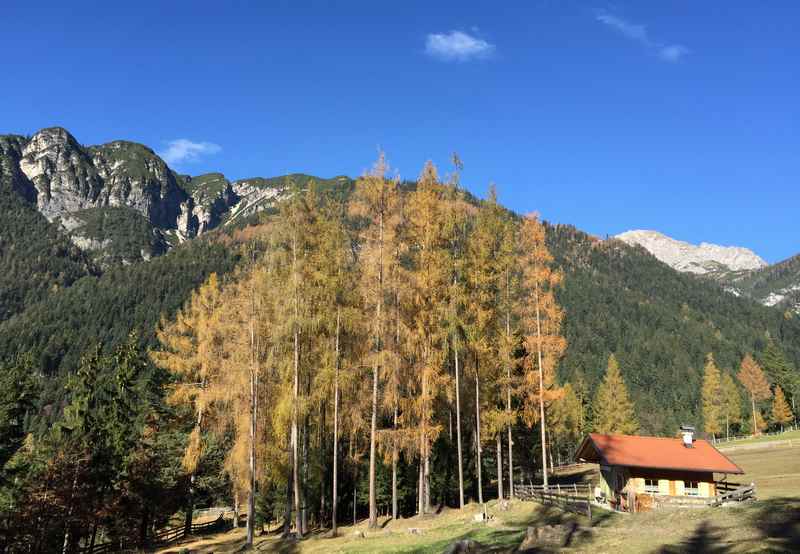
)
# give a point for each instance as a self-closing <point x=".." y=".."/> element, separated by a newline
<point x="184" y="150"/>
<point x="638" y="33"/>
<point x="673" y="52"/>
<point x="630" y="30"/>
<point x="457" y="46"/>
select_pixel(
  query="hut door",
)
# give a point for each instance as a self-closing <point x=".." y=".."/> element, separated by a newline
<point x="671" y="487"/>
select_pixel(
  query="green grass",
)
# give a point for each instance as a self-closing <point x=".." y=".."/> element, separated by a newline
<point x="762" y="438"/>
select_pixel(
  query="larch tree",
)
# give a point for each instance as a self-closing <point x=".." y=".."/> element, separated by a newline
<point x="376" y="202"/>
<point x="293" y="244"/>
<point x="781" y="413"/>
<point x="489" y="319"/>
<point x="712" y="398"/>
<point x="456" y="233"/>
<point x="508" y="344"/>
<point x="755" y="382"/>
<point x="191" y="346"/>
<point x="429" y="282"/>
<point x="337" y="314"/>
<point x="613" y="408"/>
<point x="731" y="403"/>
<point x="544" y="344"/>
<point x="566" y="420"/>
<point x="245" y="325"/>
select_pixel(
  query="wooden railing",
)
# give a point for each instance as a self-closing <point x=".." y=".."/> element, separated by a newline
<point x="732" y="492"/>
<point x="573" y="498"/>
<point x="164" y="536"/>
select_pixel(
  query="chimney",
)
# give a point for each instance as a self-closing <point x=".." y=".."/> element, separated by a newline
<point x="687" y="431"/>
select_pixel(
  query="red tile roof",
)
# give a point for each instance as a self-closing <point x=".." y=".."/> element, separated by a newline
<point x="654" y="452"/>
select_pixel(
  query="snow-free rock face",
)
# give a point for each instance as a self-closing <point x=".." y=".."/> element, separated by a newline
<point x="700" y="259"/>
<point x="68" y="178"/>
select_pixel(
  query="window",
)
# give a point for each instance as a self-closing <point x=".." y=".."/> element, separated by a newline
<point x="651" y="486"/>
<point x="691" y="488"/>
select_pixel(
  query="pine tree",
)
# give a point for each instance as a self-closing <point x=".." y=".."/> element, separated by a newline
<point x="712" y="398"/>
<point x="613" y="409"/>
<point x="781" y="413"/>
<point x="732" y="403"/>
<point x="755" y="382"/>
<point x="544" y="344"/>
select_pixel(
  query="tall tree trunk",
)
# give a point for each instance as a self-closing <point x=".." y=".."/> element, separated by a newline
<point x="508" y="395"/>
<point x="296" y="397"/>
<point x="373" y="506"/>
<point x="287" y="516"/>
<point x="303" y="488"/>
<point x="478" y="432"/>
<point x="187" y="522"/>
<point x="420" y="487"/>
<point x="499" y="466"/>
<point x="295" y="439"/>
<point x="336" y="428"/>
<point x="458" y="430"/>
<point x="541" y="388"/>
<point x="395" y="453"/>
<point x="394" y="465"/>
<point x="251" y="494"/>
<point x="66" y="546"/>
<point x="755" y="421"/>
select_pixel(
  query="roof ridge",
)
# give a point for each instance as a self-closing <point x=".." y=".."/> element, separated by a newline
<point x="645" y="437"/>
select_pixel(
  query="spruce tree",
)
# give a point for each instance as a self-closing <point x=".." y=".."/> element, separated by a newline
<point x="613" y="409"/>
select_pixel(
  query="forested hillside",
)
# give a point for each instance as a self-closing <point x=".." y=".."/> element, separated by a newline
<point x="660" y="323"/>
<point x="777" y="285"/>
<point x="36" y="257"/>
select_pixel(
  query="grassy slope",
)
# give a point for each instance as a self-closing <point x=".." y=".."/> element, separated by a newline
<point x="770" y="525"/>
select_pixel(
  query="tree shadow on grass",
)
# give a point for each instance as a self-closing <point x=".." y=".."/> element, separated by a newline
<point x="778" y="521"/>
<point x="706" y="539"/>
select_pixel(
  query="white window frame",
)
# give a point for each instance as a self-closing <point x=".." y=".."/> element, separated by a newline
<point x="689" y="490"/>
<point x="651" y="486"/>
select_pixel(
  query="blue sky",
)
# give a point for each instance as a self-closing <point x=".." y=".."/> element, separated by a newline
<point x="673" y="116"/>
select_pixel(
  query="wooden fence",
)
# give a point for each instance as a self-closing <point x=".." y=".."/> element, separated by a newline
<point x="164" y="536"/>
<point x="573" y="498"/>
<point x="732" y="492"/>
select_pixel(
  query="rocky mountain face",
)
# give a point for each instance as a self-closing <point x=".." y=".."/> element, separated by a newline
<point x="739" y="270"/>
<point x="700" y="259"/>
<point x="122" y="193"/>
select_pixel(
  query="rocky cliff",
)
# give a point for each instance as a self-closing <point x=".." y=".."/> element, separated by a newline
<point x="700" y="259"/>
<point x="122" y="193"/>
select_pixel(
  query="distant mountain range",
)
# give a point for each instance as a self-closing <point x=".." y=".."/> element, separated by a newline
<point x="740" y="270"/>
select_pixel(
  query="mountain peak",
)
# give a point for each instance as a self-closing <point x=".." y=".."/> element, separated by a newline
<point x="691" y="258"/>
